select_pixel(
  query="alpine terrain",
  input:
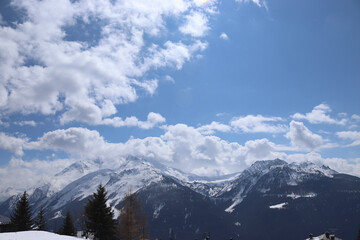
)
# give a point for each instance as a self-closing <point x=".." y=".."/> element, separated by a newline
<point x="271" y="199"/>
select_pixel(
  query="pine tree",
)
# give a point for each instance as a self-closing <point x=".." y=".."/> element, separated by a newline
<point x="99" y="217"/>
<point x="21" y="217"/>
<point x="40" y="221"/>
<point x="68" y="226"/>
<point x="132" y="220"/>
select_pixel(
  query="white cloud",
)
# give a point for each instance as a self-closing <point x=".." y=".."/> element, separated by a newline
<point x="196" y="24"/>
<point x="43" y="70"/>
<point x="153" y="119"/>
<point x="80" y="142"/>
<point x="192" y="151"/>
<point x="24" y="123"/>
<point x="257" y="124"/>
<point x="180" y="146"/>
<point x="169" y="79"/>
<point x="224" y="36"/>
<point x="319" y="115"/>
<point x="348" y="166"/>
<point x="12" y="144"/>
<point x="259" y="3"/>
<point x="352" y="135"/>
<point x="212" y="127"/>
<point x="302" y="138"/>
<point x="33" y="173"/>
<point x="187" y="148"/>
<point x="356" y="117"/>
<point x="221" y="114"/>
<point x="4" y="124"/>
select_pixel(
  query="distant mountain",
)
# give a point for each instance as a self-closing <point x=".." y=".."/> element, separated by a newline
<point x="275" y="200"/>
<point x="271" y="199"/>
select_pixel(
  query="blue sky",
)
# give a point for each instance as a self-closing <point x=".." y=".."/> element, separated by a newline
<point x="208" y="87"/>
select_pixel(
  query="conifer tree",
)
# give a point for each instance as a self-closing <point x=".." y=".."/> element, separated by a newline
<point x="40" y="221"/>
<point x="132" y="224"/>
<point x="68" y="226"/>
<point x="99" y="217"/>
<point x="21" y="217"/>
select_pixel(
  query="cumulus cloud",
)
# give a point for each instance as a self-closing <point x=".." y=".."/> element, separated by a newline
<point x="302" y="138"/>
<point x="153" y="119"/>
<point x="212" y="127"/>
<point x="181" y="146"/>
<point x="351" y="135"/>
<point x="75" y="141"/>
<point x="224" y="36"/>
<point x="196" y="24"/>
<point x="12" y="144"/>
<point x="319" y="115"/>
<point x="44" y="69"/>
<point x="184" y="147"/>
<point x="257" y="124"/>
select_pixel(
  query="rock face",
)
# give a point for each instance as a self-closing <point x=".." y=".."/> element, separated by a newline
<point x="271" y="199"/>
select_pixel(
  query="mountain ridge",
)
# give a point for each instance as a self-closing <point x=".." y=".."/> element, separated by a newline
<point x="181" y="201"/>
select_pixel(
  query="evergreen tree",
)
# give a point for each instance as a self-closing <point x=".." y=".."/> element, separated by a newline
<point x="132" y="220"/>
<point x="40" y="221"/>
<point x="68" y="226"/>
<point x="99" y="217"/>
<point x="21" y="217"/>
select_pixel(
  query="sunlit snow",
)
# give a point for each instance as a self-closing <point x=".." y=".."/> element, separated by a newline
<point x="34" y="235"/>
<point x="278" y="206"/>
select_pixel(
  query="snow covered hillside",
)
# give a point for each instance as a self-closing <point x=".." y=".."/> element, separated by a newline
<point x="34" y="235"/>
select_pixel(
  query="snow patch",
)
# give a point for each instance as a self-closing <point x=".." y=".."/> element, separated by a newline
<point x="57" y="215"/>
<point x="34" y="235"/>
<point x="279" y="206"/>
<point x="232" y="206"/>
<point x="295" y="196"/>
<point x="237" y="224"/>
<point x="157" y="210"/>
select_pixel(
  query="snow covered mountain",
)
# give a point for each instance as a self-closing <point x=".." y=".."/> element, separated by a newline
<point x="262" y="176"/>
<point x="188" y="205"/>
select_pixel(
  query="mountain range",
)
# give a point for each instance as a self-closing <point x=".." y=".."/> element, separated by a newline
<point x="272" y="199"/>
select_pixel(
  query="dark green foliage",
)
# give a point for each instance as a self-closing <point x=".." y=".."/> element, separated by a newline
<point x="21" y="217"/>
<point x="99" y="217"/>
<point x="68" y="226"/>
<point x="40" y="221"/>
<point x="132" y="221"/>
<point x="358" y="236"/>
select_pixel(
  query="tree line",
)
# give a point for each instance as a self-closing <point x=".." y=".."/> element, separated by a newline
<point x="99" y="222"/>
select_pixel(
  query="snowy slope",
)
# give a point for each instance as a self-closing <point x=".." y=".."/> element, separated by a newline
<point x="132" y="175"/>
<point x="265" y="175"/>
<point x="34" y="235"/>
